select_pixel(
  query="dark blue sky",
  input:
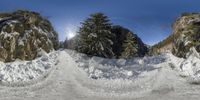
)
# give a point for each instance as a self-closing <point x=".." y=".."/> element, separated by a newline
<point x="149" y="19"/>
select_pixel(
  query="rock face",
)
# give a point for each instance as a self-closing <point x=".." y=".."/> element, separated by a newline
<point x="23" y="33"/>
<point x="188" y="29"/>
<point x="164" y="46"/>
<point x="186" y="34"/>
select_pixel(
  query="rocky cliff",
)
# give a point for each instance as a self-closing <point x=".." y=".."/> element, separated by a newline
<point x="23" y="33"/>
<point x="186" y="34"/>
<point x="188" y="29"/>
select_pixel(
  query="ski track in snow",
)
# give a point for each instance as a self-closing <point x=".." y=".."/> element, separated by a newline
<point x="69" y="80"/>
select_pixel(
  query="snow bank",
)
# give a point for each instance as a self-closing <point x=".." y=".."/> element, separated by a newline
<point x="97" y="67"/>
<point x="100" y="68"/>
<point x="190" y="67"/>
<point x="120" y="78"/>
<point x="21" y="72"/>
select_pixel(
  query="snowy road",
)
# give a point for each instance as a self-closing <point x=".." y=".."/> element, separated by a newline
<point x="68" y="82"/>
<point x="57" y="86"/>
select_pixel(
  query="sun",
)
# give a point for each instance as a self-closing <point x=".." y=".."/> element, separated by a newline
<point x="71" y="31"/>
<point x="70" y="34"/>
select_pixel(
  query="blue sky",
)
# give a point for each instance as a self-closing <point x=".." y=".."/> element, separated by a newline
<point x="151" y="20"/>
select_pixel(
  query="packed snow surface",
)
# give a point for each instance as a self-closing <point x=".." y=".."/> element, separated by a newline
<point x="74" y="76"/>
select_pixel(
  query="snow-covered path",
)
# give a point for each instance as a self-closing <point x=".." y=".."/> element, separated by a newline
<point x="68" y="82"/>
<point x="58" y="85"/>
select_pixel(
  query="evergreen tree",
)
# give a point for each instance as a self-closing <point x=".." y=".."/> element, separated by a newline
<point x="129" y="47"/>
<point x="120" y="35"/>
<point x="61" y="44"/>
<point x="95" y="36"/>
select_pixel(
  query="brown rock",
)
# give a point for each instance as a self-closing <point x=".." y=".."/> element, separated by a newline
<point x="22" y="33"/>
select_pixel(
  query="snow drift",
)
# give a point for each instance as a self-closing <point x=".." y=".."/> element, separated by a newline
<point x="21" y="72"/>
<point x="190" y="67"/>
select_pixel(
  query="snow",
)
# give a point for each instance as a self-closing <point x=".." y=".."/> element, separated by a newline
<point x="97" y="67"/>
<point x="190" y="67"/>
<point x="130" y="73"/>
<point x="21" y="72"/>
<point x="6" y="35"/>
<point x="74" y="76"/>
<point x="92" y="35"/>
<point x="20" y="42"/>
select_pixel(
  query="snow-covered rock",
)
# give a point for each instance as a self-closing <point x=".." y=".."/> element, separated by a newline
<point x="184" y="36"/>
<point x="22" y="33"/>
<point x="191" y="66"/>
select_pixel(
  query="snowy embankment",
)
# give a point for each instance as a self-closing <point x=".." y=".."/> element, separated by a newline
<point x="148" y="77"/>
<point x="190" y="67"/>
<point x="99" y="68"/>
<point x="27" y="72"/>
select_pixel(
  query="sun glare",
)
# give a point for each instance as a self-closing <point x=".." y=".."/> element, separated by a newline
<point x="71" y="31"/>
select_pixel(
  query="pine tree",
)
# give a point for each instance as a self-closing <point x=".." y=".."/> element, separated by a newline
<point x="129" y="47"/>
<point x="95" y="37"/>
